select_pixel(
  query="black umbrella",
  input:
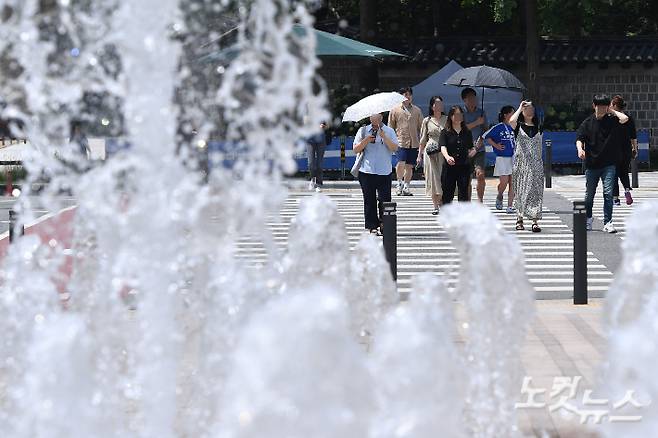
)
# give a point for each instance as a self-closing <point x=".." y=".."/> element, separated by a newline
<point x="485" y="77"/>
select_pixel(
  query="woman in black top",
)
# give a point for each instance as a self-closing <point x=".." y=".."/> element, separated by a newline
<point x="457" y="148"/>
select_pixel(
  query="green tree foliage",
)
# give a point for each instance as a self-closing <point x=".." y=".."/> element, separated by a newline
<point x="414" y="18"/>
<point x="502" y="9"/>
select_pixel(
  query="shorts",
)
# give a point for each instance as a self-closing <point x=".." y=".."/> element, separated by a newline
<point x="480" y="160"/>
<point x="408" y="155"/>
<point x="503" y="166"/>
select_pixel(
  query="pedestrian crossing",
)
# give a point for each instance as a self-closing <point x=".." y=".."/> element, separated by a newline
<point x="620" y="213"/>
<point x="423" y="246"/>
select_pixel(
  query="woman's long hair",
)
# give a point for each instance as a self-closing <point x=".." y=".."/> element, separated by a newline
<point x="453" y="110"/>
<point x="432" y="100"/>
<point x="535" y="121"/>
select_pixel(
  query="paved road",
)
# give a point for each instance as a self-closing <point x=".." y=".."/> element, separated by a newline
<point x="573" y="188"/>
<point x="423" y="246"/>
<point x="7" y="202"/>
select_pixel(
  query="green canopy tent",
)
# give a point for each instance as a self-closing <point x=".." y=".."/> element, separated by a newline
<point x="327" y="44"/>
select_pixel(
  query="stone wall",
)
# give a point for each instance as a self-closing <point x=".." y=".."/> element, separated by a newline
<point x="637" y="84"/>
<point x="559" y="85"/>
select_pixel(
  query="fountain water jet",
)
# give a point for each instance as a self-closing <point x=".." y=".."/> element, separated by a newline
<point x="499" y="304"/>
<point x="297" y="372"/>
<point x="417" y="368"/>
<point x="632" y="328"/>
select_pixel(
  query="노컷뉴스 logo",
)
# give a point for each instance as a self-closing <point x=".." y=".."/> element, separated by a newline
<point x="565" y="396"/>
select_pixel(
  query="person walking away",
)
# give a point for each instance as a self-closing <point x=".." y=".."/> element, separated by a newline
<point x="527" y="166"/>
<point x="315" y="148"/>
<point x="377" y="141"/>
<point x="78" y="159"/>
<point x="457" y="148"/>
<point x="597" y="141"/>
<point x="628" y="151"/>
<point x="476" y="122"/>
<point x="430" y="151"/>
<point x="501" y="137"/>
<point x="79" y="140"/>
<point x="406" y="120"/>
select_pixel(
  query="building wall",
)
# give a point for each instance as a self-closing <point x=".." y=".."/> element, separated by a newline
<point x="637" y="84"/>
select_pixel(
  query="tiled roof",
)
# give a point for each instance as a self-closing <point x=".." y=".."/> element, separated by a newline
<point x="472" y="51"/>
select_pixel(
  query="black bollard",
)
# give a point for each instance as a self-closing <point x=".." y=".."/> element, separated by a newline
<point x="635" y="183"/>
<point x="13" y="223"/>
<point x="579" y="253"/>
<point x="548" y="163"/>
<point x="390" y="232"/>
<point x="342" y="157"/>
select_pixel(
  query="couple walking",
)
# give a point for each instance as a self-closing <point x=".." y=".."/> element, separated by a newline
<point x="448" y="172"/>
<point x="606" y="141"/>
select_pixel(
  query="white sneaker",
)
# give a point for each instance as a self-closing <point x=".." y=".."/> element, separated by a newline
<point x="510" y="210"/>
<point x="318" y="189"/>
<point x="400" y="188"/>
<point x="588" y="226"/>
<point x="609" y="228"/>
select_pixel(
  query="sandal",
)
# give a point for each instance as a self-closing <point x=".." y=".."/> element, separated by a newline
<point x="535" y="228"/>
<point x="519" y="225"/>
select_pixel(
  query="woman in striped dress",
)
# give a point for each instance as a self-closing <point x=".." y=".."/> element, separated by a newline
<point x="528" y="168"/>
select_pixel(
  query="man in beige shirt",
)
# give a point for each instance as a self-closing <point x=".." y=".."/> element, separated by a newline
<point x="406" y="120"/>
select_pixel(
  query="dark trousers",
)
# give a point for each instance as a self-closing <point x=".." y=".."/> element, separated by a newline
<point x="455" y="177"/>
<point x="622" y="175"/>
<point x="315" y="153"/>
<point x="592" y="176"/>
<point x="374" y="188"/>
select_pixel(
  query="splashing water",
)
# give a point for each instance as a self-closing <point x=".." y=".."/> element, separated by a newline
<point x="498" y="314"/>
<point x="143" y="237"/>
<point x="297" y="373"/>
<point x="632" y="315"/>
<point x="161" y="331"/>
<point x="417" y="368"/>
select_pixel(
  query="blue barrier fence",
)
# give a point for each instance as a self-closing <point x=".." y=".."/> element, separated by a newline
<point x="563" y="144"/>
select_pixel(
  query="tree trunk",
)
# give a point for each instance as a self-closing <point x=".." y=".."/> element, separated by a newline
<point x="368" y="20"/>
<point x="532" y="49"/>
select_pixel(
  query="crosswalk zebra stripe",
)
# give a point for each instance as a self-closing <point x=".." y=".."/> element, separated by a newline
<point x="424" y="246"/>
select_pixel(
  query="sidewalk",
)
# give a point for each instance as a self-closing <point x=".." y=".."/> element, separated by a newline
<point x="565" y="341"/>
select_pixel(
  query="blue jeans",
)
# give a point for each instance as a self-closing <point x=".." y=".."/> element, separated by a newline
<point x="608" y="175"/>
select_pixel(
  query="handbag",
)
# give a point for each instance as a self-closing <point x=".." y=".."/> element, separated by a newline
<point x="357" y="163"/>
<point x="432" y="148"/>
